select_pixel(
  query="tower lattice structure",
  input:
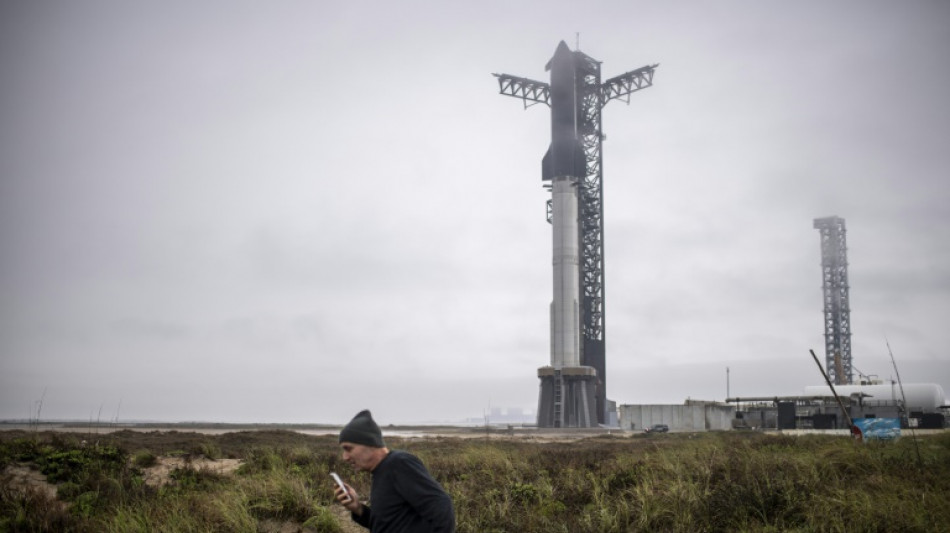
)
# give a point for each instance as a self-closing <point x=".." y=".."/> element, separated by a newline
<point x="837" y="309"/>
<point x="593" y="95"/>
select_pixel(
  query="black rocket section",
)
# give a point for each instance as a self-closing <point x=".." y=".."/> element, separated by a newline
<point x="565" y="155"/>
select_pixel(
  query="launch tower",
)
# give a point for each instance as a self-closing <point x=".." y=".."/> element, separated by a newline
<point x="834" y="275"/>
<point x="574" y="386"/>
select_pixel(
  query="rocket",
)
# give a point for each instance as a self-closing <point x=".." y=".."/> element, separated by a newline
<point x="573" y="387"/>
<point x="565" y="165"/>
<point x="565" y="155"/>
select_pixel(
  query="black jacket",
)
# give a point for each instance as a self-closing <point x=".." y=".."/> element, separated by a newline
<point x="405" y="499"/>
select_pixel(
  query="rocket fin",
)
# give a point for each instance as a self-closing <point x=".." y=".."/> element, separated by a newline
<point x="578" y="163"/>
<point x="547" y="166"/>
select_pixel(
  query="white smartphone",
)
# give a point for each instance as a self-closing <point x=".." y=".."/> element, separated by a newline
<point x="339" y="483"/>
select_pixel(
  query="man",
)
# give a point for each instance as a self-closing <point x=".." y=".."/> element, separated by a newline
<point x="405" y="498"/>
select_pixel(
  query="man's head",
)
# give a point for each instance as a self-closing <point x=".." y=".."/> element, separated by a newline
<point x="363" y="430"/>
<point x="362" y="442"/>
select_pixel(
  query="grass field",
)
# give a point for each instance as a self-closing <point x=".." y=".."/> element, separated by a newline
<point x="613" y="483"/>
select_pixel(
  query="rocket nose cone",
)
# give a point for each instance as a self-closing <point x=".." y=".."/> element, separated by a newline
<point x="561" y="54"/>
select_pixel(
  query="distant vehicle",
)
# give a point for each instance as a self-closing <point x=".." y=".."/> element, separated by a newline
<point x="658" y="428"/>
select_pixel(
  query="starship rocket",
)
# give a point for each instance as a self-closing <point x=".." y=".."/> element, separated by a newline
<point x="573" y="385"/>
<point x="568" y="388"/>
<point x="565" y="165"/>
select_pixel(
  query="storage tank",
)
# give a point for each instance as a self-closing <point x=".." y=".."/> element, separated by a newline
<point x="927" y="397"/>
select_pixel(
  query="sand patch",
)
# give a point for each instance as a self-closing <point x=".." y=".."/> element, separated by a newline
<point x="160" y="474"/>
<point x="24" y="479"/>
<point x="346" y="522"/>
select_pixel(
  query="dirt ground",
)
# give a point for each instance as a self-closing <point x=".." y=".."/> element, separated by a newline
<point x="24" y="478"/>
<point x="347" y="523"/>
<point x="158" y="475"/>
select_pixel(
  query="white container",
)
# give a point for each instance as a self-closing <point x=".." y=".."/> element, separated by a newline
<point x="928" y="397"/>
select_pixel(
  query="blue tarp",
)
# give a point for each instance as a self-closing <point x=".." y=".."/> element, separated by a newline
<point x="879" y="428"/>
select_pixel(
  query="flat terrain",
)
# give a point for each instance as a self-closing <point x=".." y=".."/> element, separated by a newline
<point x="97" y="478"/>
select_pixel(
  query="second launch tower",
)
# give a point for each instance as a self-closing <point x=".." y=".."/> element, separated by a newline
<point x="835" y="295"/>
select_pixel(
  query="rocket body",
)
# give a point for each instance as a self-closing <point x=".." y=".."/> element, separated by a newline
<point x="565" y="165"/>
<point x="565" y="312"/>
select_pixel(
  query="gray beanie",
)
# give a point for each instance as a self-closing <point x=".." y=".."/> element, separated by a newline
<point x="363" y="430"/>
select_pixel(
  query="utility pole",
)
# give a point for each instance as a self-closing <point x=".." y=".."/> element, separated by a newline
<point x="572" y="169"/>
<point x="727" y="382"/>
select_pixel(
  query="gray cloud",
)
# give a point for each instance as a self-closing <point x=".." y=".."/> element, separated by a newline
<point x="287" y="213"/>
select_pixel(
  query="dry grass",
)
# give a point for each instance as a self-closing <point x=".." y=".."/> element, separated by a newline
<point x="675" y="482"/>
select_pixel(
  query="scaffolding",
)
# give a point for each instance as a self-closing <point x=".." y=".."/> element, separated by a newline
<point x="837" y="310"/>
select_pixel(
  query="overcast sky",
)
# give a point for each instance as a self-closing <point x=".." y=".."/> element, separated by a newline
<point x="290" y="211"/>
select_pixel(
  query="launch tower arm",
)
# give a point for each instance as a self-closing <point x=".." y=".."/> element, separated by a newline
<point x="536" y="92"/>
<point x="620" y="87"/>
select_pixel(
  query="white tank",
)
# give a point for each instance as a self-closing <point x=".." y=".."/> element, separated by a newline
<point x="927" y="397"/>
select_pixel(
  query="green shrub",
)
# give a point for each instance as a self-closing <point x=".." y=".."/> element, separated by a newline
<point x="323" y="521"/>
<point x="207" y="449"/>
<point x="144" y="459"/>
<point x="34" y="511"/>
<point x="278" y="496"/>
<point x="190" y="479"/>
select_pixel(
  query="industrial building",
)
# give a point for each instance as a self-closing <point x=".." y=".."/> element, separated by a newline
<point x="690" y="416"/>
<point x="816" y="407"/>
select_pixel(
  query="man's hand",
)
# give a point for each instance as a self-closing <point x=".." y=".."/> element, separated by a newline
<point x="349" y="499"/>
